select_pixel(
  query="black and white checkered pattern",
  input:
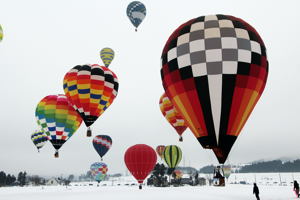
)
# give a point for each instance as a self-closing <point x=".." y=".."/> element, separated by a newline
<point x="213" y="46"/>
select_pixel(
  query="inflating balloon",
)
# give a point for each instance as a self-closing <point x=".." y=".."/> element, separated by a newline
<point x="91" y="89"/>
<point x="160" y="150"/>
<point x="172" y="156"/>
<point x="58" y="119"/>
<point x="102" y="144"/>
<point x="136" y="12"/>
<point x="140" y="160"/>
<point x="39" y="139"/>
<point x="171" y="114"/>
<point x="214" y="70"/>
<point x="107" y="55"/>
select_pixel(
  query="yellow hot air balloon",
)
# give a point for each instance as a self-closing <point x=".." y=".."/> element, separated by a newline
<point x="107" y="55"/>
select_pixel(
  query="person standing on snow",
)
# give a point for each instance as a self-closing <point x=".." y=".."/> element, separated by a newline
<point x="256" y="191"/>
<point x="296" y="188"/>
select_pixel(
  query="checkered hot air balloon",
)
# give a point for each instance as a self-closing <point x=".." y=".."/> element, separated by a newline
<point x="91" y="89"/>
<point x="102" y="144"/>
<point x="172" y="115"/>
<point x="99" y="170"/>
<point x="136" y="12"/>
<point x="39" y="139"/>
<point x="107" y="55"/>
<point x="214" y="70"/>
<point x="58" y="119"/>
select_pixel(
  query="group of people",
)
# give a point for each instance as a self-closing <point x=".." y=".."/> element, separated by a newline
<point x="256" y="190"/>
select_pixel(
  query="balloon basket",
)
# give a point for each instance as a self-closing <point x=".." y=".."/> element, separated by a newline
<point x="136" y="30"/>
<point x="140" y="186"/>
<point x="56" y="155"/>
<point x="180" y="139"/>
<point x="89" y="132"/>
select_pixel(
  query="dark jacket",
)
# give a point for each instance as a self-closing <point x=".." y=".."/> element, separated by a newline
<point x="296" y="185"/>
<point x="255" y="189"/>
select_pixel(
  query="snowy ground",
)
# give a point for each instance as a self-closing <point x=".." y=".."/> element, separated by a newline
<point x="230" y="192"/>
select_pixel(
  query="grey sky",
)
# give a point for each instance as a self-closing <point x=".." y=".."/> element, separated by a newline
<point x="44" y="39"/>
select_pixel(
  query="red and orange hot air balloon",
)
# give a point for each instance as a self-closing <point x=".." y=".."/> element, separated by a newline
<point x="140" y="160"/>
<point x="160" y="150"/>
<point x="172" y="115"/>
<point x="214" y="70"/>
<point x="91" y="89"/>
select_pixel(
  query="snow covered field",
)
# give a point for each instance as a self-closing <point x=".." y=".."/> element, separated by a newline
<point x="230" y="192"/>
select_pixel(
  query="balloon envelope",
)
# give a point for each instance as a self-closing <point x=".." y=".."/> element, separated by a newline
<point x="99" y="170"/>
<point x="136" y="12"/>
<point x="140" y="160"/>
<point x="214" y="70"/>
<point x="91" y="89"/>
<point x="171" y="114"/>
<point x="172" y="156"/>
<point x="102" y="144"/>
<point x="160" y="150"/>
<point x="1" y="33"/>
<point x="57" y="118"/>
<point x="39" y="139"/>
<point x="107" y="55"/>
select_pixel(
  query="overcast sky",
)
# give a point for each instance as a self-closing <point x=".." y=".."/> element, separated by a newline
<point x="44" y="39"/>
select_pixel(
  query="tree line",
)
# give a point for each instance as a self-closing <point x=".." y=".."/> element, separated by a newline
<point x="262" y="167"/>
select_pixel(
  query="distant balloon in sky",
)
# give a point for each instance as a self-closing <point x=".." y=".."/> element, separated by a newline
<point x="91" y="89"/>
<point x="107" y="55"/>
<point x="136" y="12"/>
<point x="57" y="118"/>
<point x="172" y="115"/>
<point x="160" y="150"/>
<point x="102" y="144"/>
<point x="140" y="160"/>
<point x="1" y="33"/>
<point x="172" y="156"/>
<point x="39" y="139"/>
<point x="214" y="70"/>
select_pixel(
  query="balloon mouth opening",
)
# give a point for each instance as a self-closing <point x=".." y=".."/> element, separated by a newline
<point x="89" y="132"/>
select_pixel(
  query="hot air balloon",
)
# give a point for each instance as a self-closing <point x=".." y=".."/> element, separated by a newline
<point x="140" y="160"/>
<point x="227" y="171"/>
<point x="57" y="118"/>
<point x="107" y="55"/>
<point x="136" y="12"/>
<point x="99" y="170"/>
<point x="172" y="156"/>
<point x="172" y="115"/>
<point x="102" y="144"/>
<point x="214" y="70"/>
<point x="1" y="33"/>
<point x="39" y="139"/>
<point x="160" y="150"/>
<point x="91" y="89"/>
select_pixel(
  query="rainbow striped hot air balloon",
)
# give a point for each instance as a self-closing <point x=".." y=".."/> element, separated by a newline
<point x="58" y="119"/>
<point x="107" y="55"/>
<point x="91" y="89"/>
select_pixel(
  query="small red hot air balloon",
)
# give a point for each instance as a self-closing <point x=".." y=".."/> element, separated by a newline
<point x="160" y="150"/>
<point x="140" y="160"/>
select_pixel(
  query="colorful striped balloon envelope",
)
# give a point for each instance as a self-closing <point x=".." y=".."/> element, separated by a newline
<point x="58" y="119"/>
<point x="107" y="55"/>
<point x="91" y="89"/>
